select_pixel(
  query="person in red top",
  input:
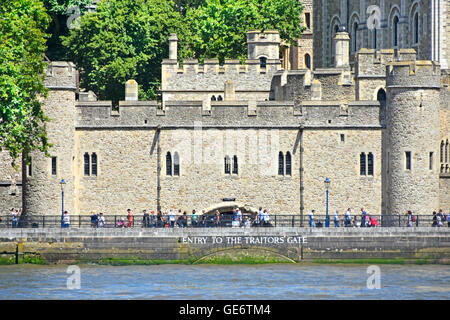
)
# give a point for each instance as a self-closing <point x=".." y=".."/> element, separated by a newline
<point x="130" y="218"/>
<point x="374" y="222"/>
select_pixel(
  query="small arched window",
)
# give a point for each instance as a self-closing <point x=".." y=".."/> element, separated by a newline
<point x="362" y="164"/>
<point x="288" y="164"/>
<point x="227" y="165"/>
<point x="308" y="61"/>
<point x="395" y="31"/>
<point x="168" y="164"/>
<point x="176" y="164"/>
<point x="94" y="164"/>
<point x="235" y="165"/>
<point x="213" y="98"/>
<point x="86" y="164"/>
<point x="416" y="27"/>
<point x="280" y="164"/>
<point x="442" y="151"/>
<point x="219" y="98"/>
<point x="370" y="164"/>
<point x="355" y="36"/>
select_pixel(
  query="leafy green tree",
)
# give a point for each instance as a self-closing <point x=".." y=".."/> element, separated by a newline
<point x="124" y="39"/>
<point x="22" y="45"/>
<point x="220" y="26"/>
<point x="62" y="11"/>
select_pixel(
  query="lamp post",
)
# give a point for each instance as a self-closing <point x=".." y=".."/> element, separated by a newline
<point x="62" y="183"/>
<point x="327" y="186"/>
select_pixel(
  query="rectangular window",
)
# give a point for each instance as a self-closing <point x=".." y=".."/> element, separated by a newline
<point x="342" y="137"/>
<point x="94" y="164"/>
<point x="86" y="164"/>
<point x="54" y="166"/>
<point x="308" y="20"/>
<point x="431" y="160"/>
<point x="30" y="168"/>
<point x="408" y="160"/>
<point x="370" y="164"/>
<point x="362" y="164"/>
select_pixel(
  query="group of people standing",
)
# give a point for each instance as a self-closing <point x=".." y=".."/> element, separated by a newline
<point x="15" y="214"/>
<point x="349" y="220"/>
<point x="98" y="220"/>
<point x="182" y="219"/>
<point x="440" y="218"/>
<point x="171" y="219"/>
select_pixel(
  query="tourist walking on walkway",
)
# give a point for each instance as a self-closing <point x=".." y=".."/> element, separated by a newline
<point x="336" y="219"/>
<point x="101" y="220"/>
<point x="66" y="220"/>
<point x="348" y="218"/>
<point x="448" y="219"/>
<point x="363" y="217"/>
<point x="153" y="219"/>
<point x="94" y="219"/>
<point x="194" y="219"/>
<point x="14" y="217"/>
<point x="145" y="219"/>
<point x="172" y="218"/>
<point x="410" y="219"/>
<point x="130" y="218"/>
<point x="434" y="224"/>
<point x="266" y="218"/>
<point x="217" y="219"/>
<point x="311" y="219"/>
<point x="259" y="216"/>
<point x="438" y="221"/>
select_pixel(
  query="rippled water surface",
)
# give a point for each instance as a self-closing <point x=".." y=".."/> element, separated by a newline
<point x="225" y="282"/>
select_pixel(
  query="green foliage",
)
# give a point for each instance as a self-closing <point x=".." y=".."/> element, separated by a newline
<point x="124" y="39"/>
<point x="220" y="26"/>
<point x="61" y="6"/>
<point x="22" y="44"/>
<point x="60" y="12"/>
<point x="127" y="39"/>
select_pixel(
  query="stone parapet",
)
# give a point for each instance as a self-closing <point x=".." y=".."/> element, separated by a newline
<point x="234" y="114"/>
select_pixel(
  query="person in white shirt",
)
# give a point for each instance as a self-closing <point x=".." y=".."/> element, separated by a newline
<point x="311" y="219"/>
<point x="101" y="220"/>
<point x="266" y="217"/>
<point x="66" y="220"/>
<point x="348" y="217"/>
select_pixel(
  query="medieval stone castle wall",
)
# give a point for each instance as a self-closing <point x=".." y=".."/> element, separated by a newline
<point x="280" y="132"/>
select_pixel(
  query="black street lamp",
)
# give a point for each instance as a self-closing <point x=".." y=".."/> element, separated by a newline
<point x="62" y="183"/>
<point x="327" y="186"/>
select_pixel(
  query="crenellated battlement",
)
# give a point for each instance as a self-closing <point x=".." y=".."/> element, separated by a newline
<point x="232" y="114"/>
<point x="194" y="81"/>
<point x="416" y="73"/>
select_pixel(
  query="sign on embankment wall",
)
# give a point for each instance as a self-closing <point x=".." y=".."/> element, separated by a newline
<point x="231" y="245"/>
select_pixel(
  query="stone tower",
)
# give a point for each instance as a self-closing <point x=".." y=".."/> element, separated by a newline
<point x="42" y="190"/>
<point x="263" y="44"/>
<point x="413" y="89"/>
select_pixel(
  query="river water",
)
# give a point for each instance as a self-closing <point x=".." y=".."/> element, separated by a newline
<point x="213" y="282"/>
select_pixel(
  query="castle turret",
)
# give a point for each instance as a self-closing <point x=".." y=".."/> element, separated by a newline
<point x="263" y="44"/>
<point x="42" y="190"/>
<point x="342" y="43"/>
<point x="413" y="89"/>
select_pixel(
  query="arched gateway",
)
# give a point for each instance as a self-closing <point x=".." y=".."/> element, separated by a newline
<point x="226" y="207"/>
